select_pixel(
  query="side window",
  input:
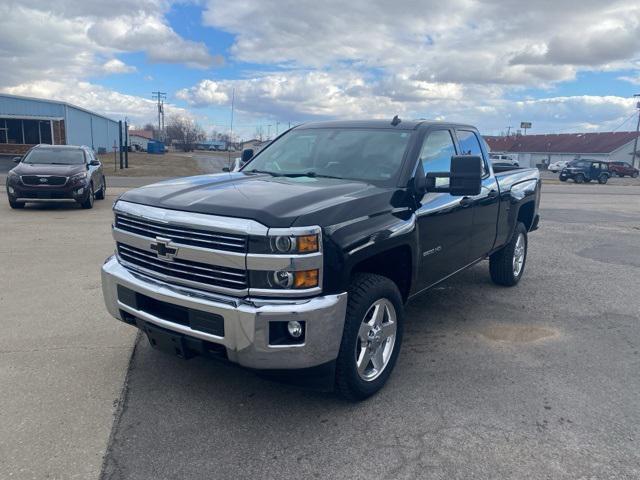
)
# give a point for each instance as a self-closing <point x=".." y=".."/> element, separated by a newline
<point x="436" y="153"/>
<point x="470" y="145"/>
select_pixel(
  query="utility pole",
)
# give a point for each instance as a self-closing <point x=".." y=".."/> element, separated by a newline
<point x="126" y="143"/>
<point x="162" y="130"/>
<point x="120" y="144"/>
<point x="277" y="124"/>
<point x="269" y="132"/>
<point x="509" y="130"/>
<point x="233" y="101"/>
<point x="160" y="96"/>
<point x="635" y="142"/>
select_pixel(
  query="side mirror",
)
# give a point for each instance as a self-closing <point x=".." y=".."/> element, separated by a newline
<point x="94" y="163"/>
<point x="17" y="159"/>
<point x="247" y="154"/>
<point x="466" y="175"/>
<point x="226" y="169"/>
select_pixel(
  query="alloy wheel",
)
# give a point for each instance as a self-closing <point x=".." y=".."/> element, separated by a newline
<point x="518" y="255"/>
<point x="376" y="339"/>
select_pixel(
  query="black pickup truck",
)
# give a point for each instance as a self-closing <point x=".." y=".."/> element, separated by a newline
<point x="305" y="258"/>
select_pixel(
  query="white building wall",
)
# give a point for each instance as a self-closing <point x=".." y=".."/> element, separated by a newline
<point x="137" y="140"/>
<point x="623" y="154"/>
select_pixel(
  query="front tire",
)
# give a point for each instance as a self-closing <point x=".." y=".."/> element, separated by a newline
<point x="579" y="178"/>
<point x="507" y="264"/>
<point x="635" y="174"/>
<point x="100" y="194"/>
<point x="371" y="338"/>
<point x="88" y="203"/>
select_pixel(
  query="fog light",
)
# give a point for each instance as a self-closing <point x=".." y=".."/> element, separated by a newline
<point x="11" y="190"/>
<point x="295" y="329"/>
<point x="80" y="191"/>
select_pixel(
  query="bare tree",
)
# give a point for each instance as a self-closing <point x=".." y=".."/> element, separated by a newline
<point x="185" y="132"/>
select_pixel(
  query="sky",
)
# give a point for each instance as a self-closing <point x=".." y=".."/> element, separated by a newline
<point x="564" y="65"/>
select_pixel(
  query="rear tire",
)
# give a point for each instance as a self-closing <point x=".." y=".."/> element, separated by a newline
<point x="507" y="265"/>
<point x="602" y="179"/>
<point x="579" y="178"/>
<point x="370" y="340"/>
<point x="88" y="203"/>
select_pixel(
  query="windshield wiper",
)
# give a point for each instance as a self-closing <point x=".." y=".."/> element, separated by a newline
<point x="310" y="174"/>
<point x="273" y="174"/>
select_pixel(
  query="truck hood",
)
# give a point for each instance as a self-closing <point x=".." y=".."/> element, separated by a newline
<point x="272" y="201"/>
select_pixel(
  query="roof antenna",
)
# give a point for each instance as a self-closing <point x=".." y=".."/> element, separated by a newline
<point x="396" y="121"/>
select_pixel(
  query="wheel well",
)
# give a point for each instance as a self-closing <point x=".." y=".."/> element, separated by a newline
<point x="525" y="214"/>
<point x="395" y="264"/>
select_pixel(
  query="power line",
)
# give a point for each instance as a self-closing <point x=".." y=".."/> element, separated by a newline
<point x="625" y="121"/>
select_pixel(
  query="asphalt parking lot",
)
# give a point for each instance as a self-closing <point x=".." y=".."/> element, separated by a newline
<point x="537" y="381"/>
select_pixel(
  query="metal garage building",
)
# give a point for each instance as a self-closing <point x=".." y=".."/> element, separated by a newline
<point x="25" y="122"/>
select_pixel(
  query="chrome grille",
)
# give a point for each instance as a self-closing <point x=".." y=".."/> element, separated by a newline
<point x="183" y="271"/>
<point x="43" y="180"/>
<point x="182" y="235"/>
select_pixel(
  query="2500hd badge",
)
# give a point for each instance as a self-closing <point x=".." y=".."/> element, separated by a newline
<point x="304" y="259"/>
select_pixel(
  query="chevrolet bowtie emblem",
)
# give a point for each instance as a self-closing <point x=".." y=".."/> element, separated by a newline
<point x="163" y="250"/>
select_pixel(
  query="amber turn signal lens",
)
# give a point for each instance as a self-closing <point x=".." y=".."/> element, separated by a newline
<point x="306" y="279"/>
<point x="307" y="243"/>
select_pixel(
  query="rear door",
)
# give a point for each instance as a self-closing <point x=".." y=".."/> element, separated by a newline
<point x="444" y="223"/>
<point x="486" y="205"/>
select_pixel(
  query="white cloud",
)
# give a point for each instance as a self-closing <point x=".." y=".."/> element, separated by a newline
<point x="631" y="79"/>
<point x="311" y="95"/>
<point x="150" y="33"/>
<point x="76" y="39"/>
<point x="470" y="41"/>
<point x="117" y="66"/>
<point x="50" y="49"/>
<point x="97" y="98"/>
<point x="456" y="60"/>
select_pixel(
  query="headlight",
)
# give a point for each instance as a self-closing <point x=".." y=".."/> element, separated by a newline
<point x="79" y="176"/>
<point x="291" y="244"/>
<point x="12" y="175"/>
<point x="286" y="280"/>
<point x="285" y="244"/>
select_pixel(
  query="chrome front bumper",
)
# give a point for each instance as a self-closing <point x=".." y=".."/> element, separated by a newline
<point x="246" y="322"/>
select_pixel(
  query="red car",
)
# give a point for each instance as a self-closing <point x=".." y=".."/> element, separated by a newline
<point x="623" y="168"/>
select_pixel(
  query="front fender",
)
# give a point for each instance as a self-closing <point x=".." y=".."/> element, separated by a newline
<point x="352" y="242"/>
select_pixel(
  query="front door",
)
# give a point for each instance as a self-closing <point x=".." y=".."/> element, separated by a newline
<point x="444" y="220"/>
<point x="485" y="205"/>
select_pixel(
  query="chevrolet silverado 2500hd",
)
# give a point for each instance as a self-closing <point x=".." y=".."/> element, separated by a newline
<point x="304" y="259"/>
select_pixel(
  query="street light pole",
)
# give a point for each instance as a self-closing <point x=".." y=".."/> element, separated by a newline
<point x="635" y="142"/>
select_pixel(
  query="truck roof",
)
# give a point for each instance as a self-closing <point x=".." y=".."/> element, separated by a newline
<point x="386" y="123"/>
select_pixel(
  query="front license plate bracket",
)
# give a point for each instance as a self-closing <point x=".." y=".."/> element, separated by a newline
<point x="166" y="341"/>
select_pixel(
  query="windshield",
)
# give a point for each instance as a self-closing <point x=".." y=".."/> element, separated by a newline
<point x="371" y="155"/>
<point x="55" y="156"/>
